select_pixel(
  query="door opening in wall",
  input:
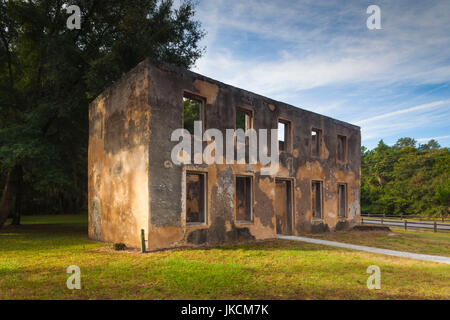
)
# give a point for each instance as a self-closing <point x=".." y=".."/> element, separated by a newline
<point x="283" y="206"/>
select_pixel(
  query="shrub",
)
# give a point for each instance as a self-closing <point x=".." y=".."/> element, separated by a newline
<point x="119" y="246"/>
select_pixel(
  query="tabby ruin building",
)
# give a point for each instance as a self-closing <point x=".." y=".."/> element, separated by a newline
<point x="134" y="185"/>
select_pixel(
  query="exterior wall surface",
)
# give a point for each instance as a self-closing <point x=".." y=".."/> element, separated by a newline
<point x="150" y="190"/>
<point x="118" y="160"/>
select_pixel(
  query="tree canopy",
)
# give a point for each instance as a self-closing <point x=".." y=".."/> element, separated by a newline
<point x="406" y="178"/>
<point x="49" y="74"/>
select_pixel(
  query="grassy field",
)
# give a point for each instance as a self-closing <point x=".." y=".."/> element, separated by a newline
<point x="34" y="258"/>
<point x="411" y="241"/>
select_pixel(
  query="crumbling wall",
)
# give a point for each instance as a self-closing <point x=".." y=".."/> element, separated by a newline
<point x="134" y="185"/>
<point x="168" y="225"/>
<point x="118" y="160"/>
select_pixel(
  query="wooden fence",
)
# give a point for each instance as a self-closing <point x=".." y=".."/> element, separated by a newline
<point x="406" y="223"/>
<point x="443" y="218"/>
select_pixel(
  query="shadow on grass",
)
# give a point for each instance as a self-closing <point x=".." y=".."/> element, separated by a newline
<point x="45" y="229"/>
<point x="46" y="235"/>
<point x="41" y="237"/>
<point x="268" y="245"/>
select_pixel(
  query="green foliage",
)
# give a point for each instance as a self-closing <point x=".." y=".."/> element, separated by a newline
<point x="443" y="192"/>
<point x="240" y="120"/>
<point x="49" y="74"/>
<point x="406" y="178"/>
<point x="191" y="113"/>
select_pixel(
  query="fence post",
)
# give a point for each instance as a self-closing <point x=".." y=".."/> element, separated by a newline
<point x="442" y="218"/>
<point x="435" y="226"/>
<point x="381" y="220"/>
<point x="142" y="241"/>
<point x="406" y="224"/>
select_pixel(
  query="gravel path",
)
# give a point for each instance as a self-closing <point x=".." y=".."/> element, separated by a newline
<point x="402" y="254"/>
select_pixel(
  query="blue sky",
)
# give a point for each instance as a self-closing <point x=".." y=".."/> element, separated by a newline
<point x="320" y="56"/>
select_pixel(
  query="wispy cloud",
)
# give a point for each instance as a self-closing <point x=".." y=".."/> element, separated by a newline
<point x="406" y="120"/>
<point x="321" y="43"/>
<point x="404" y="111"/>
<point x="301" y="52"/>
<point x="433" y="138"/>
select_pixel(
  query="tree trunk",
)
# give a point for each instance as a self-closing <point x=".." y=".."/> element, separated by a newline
<point x="18" y="198"/>
<point x="9" y="193"/>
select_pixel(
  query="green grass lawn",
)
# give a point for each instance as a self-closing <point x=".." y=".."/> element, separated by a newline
<point x="411" y="241"/>
<point x="34" y="258"/>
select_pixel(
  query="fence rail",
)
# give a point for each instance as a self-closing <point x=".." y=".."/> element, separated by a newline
<point x="435" y="226"/>
<point x="408" y="217"/>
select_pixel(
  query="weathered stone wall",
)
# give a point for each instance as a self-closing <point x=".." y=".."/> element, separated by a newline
<point x="134" y="185"/>
<point x="118" y="160"/>
<point x="167" y="227"/>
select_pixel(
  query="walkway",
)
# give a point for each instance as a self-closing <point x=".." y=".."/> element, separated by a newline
<point x="395" y="253"/>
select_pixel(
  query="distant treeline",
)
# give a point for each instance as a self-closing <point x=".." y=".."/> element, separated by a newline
<point x="406" y="178"/>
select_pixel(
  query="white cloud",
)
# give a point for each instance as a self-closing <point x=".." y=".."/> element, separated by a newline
<point x="328" y="44"/>
<point x="403" y="111"/>
<point x="433" y="138"/>
<point x="431" y="114"/>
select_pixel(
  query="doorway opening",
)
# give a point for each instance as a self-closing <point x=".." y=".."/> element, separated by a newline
<point x="283" y="206"/>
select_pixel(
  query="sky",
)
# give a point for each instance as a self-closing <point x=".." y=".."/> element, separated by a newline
<point x="319" y="55"/>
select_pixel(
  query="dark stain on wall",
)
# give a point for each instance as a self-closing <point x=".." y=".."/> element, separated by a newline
<point x="319" y="227"/>
<point x="127" y="126"/>
<point x="203" y="236"/>
<point x="198" y="237"/>
<point x="342" y="225"/>
<point x="264" y="205"/>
